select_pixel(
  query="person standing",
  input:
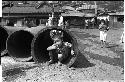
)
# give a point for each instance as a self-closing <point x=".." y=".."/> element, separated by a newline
<point x="60" y="21"/>
<point x="86" y="24"/>
<point x="122" y="37"/>
<point x="93" y="21"/>
<point x="103" y="33"/>
<point x="49" y="23"/>
<point x="66" y="24"/>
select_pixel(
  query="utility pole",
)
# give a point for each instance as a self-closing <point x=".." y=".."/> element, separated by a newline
<point x="95" y="13"/>
<point x="52" y="5"/>
<point x="95" y="7"/>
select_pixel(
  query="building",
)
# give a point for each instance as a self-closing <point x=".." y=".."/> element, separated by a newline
<point x="90" y="16"/>
<point x="74" y="18"/>
<point x="116" y="19"/>
<point x="88" y="10"/>
<point x="77" y="16"/>
<point x="28" y="14"/>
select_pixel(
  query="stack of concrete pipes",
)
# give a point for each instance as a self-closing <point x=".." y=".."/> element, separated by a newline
<point x="24" y="44"/>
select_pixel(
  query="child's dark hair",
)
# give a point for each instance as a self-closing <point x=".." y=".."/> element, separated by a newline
<point x="56" y="34"/>
<point x="102" y="21"/>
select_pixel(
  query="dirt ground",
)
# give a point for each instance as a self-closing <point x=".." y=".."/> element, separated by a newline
<point x="103" y="65"/>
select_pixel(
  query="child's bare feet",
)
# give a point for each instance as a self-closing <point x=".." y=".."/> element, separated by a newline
<point x="59" y="63"/>
<point x="50" y="62"/>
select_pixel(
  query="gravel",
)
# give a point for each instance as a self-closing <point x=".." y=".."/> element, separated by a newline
<point x="104" y="69"/>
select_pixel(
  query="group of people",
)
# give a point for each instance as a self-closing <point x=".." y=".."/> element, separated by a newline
<point x="61" y="22"/>
<point x="50" y="21"/>
<point x="89" y="23"/>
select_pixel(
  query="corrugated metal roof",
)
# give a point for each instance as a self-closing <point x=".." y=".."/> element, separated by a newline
<point x="73" y="13"/>
<point x="76" y="13"/>
<point x="24" y="5"/>
<point x="26" y="10"/>
<point x="30" y="9"/>
<point x="103" y="14"/>
<point x="57" y="9"/>
<point x="68" y="7"/>
<point x="19" y="16"/>
<point x="90" y="15"/>
<point x="117" y="13"/>
<point x="86" y="7"/>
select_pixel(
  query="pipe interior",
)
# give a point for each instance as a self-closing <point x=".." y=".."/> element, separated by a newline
<point x="19" y="44"/>
<point x="43" y="41"/>
<point x="3" y="38"/>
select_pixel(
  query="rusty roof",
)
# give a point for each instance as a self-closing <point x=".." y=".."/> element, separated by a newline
<point x="86" y="7"/>
<point x="73" y="13"/>
<point x="29" y="9"/>
<point x="117" y="13"/>
<point x="68" y="8"/>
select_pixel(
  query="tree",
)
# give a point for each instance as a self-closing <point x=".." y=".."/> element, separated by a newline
<point x="7" y="4"/>
<point x="111" y="5"/>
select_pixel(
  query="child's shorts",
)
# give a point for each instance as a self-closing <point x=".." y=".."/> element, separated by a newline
<point x="103" y="35"/>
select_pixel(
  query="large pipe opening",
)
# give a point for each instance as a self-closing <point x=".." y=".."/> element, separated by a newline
<point x="19" y="45"/>
<point x="3" y="38"/>
<point x="43" y="40"/>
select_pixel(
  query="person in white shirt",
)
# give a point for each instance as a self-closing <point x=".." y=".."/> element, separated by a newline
<point x="60" y="21"/>
<point x="49" y="23"/>
<point x="122" y="38"/>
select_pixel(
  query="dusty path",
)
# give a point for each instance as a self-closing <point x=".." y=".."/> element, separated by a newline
<point x="112" y="55"/>
<point x="106" y="64"/>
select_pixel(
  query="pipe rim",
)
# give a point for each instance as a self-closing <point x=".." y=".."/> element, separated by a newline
<point x="6" y="38"/>
<point x="75" y="44"/>
<point x="18" y="59"/>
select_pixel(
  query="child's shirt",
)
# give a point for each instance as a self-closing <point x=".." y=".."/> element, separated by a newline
<point x="103" y="27"/>
<point x="63" y="48"/>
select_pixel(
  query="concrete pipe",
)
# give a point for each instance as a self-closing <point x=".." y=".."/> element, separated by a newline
<point x="19" y="45"/>
<point x="3" y="38"/>
<point x="11" y="29"/>
<point x="42" y="40"/>
<point x="35" y="30"/>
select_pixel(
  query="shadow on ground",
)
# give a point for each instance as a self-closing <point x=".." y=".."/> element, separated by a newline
<point x="112" y="45"/>
<point x="82" y="62"/>
<point x="83" y="35"/>
<point x="112" y="61"/>
<point x="11" y="74"/>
